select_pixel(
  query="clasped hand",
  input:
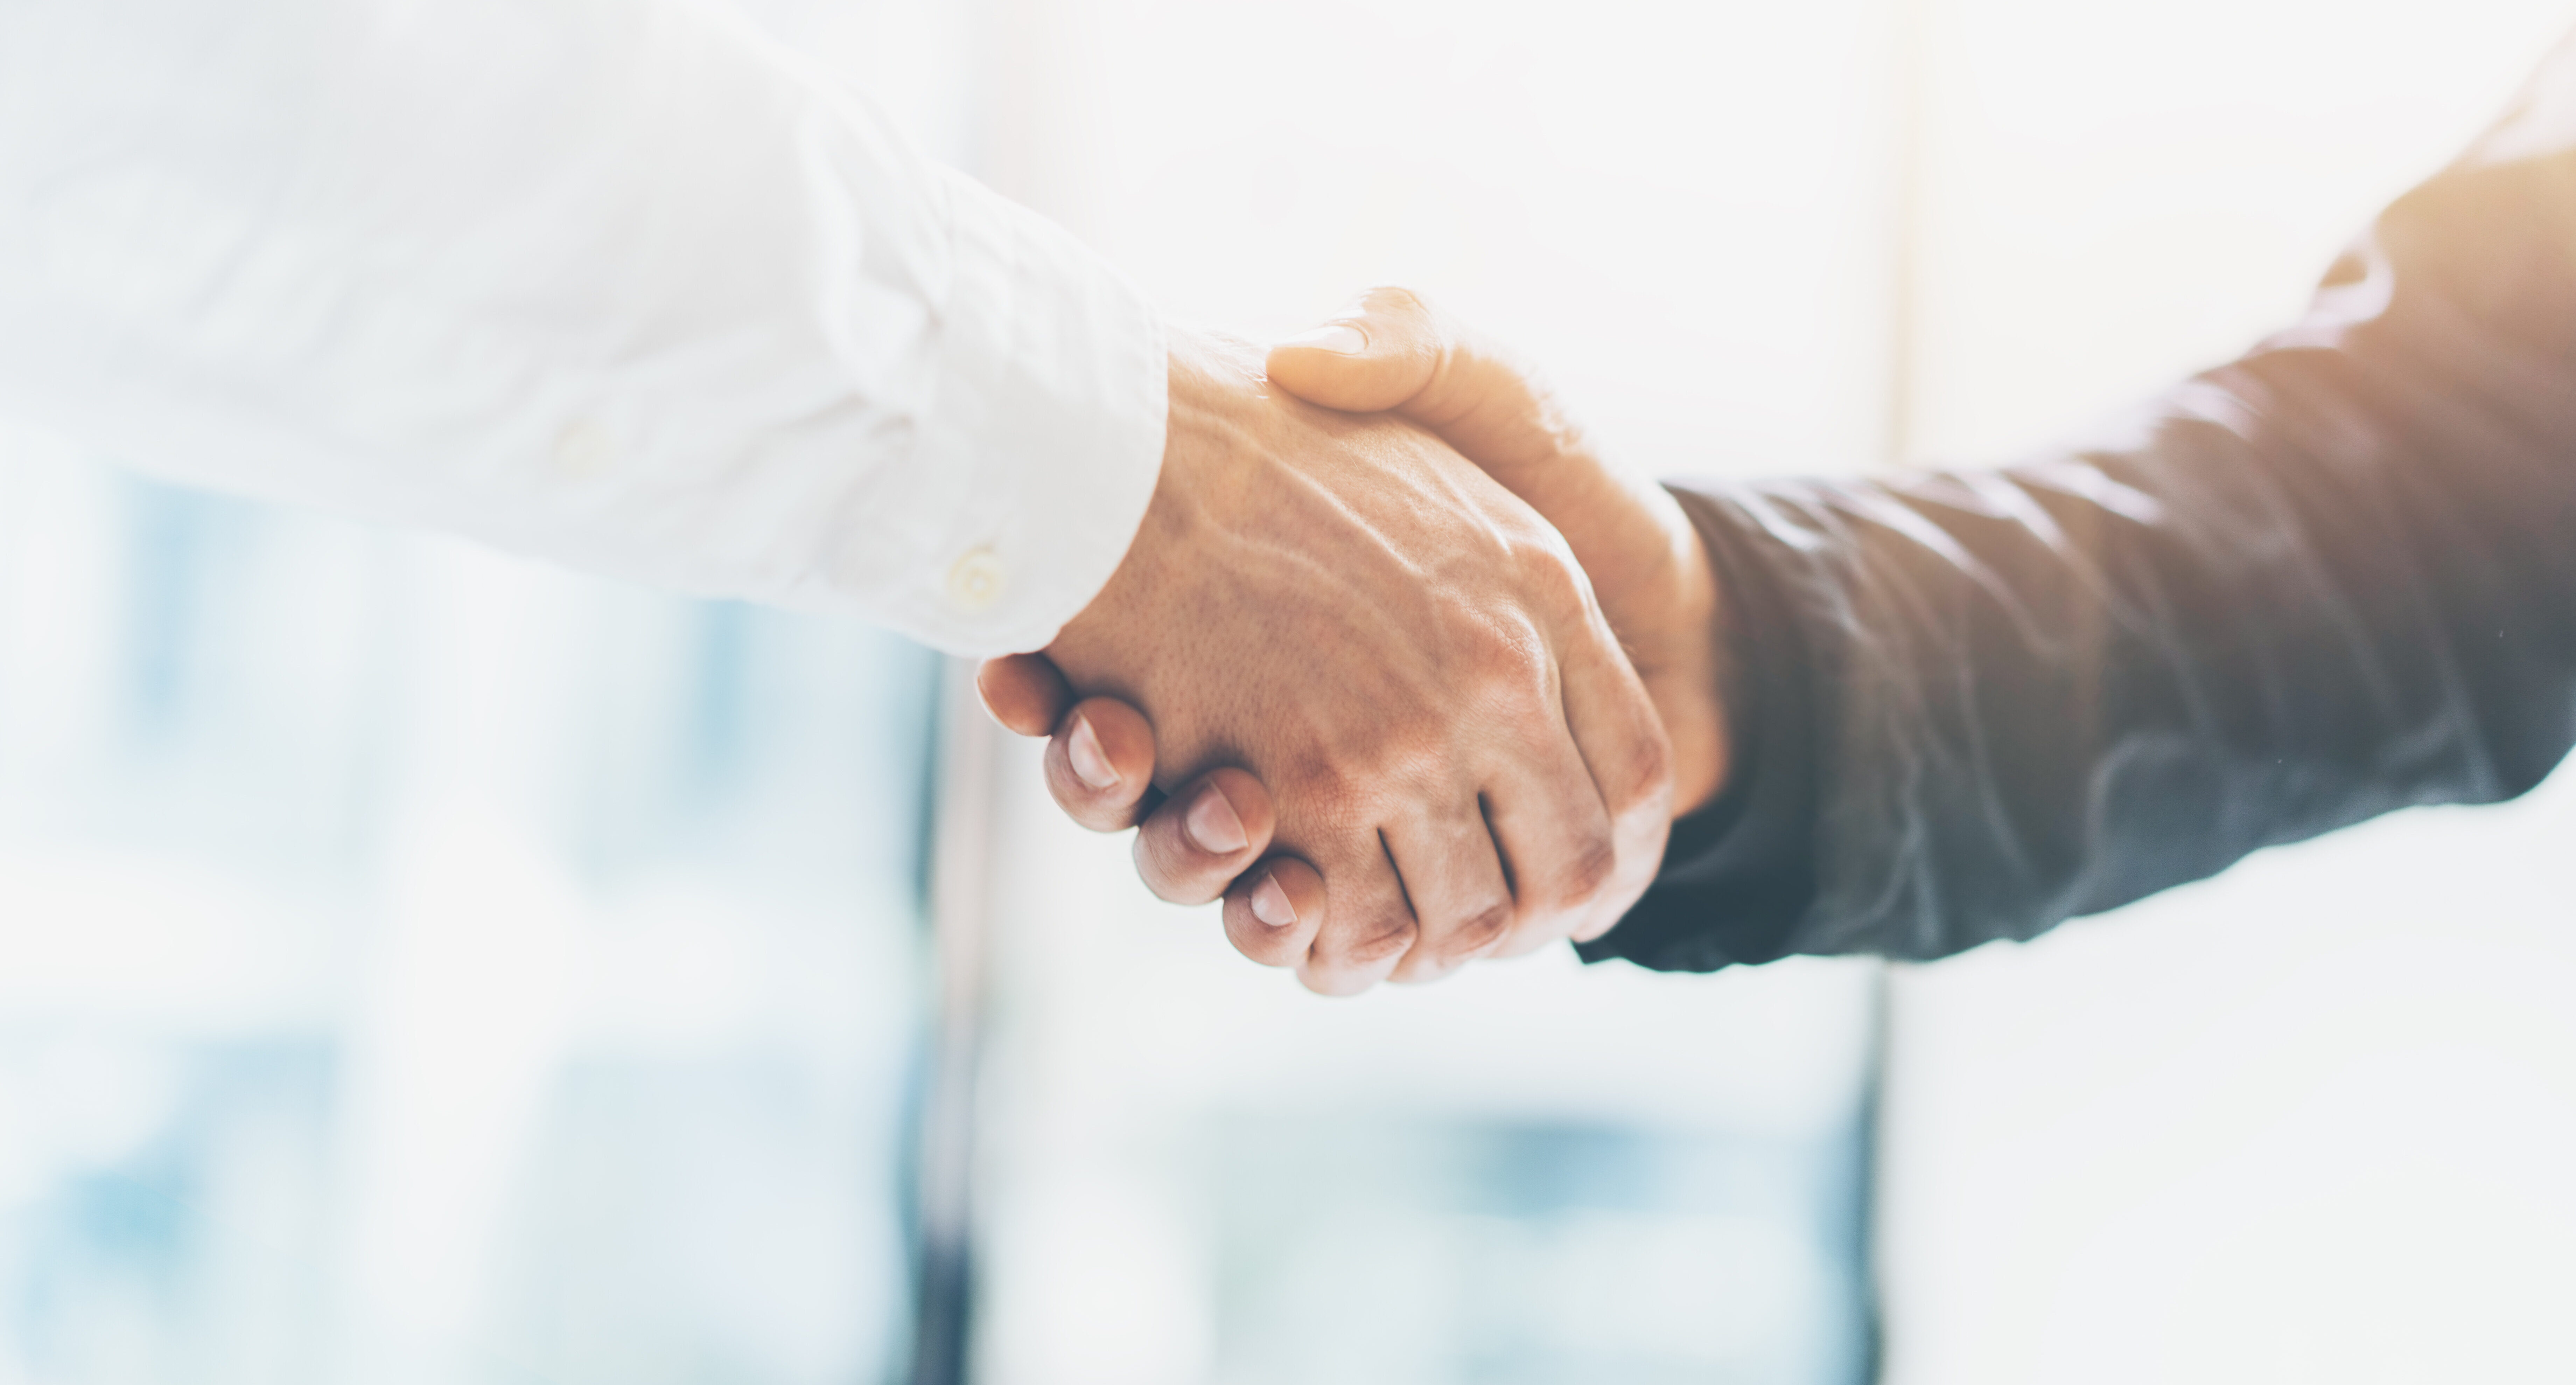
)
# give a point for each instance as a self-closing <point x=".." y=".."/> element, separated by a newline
<point x="1386" y="702"/>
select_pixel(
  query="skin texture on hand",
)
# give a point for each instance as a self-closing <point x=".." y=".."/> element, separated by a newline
<point x="1399" y="649"/>
<point x="1648" y="568"/>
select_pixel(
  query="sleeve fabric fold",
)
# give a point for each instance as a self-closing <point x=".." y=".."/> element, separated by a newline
<point x="2331" y="579"/>
<point x="615" y="283"/>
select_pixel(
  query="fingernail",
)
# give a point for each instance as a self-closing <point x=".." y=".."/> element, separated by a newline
<point x="1090" y="762"/>
<point x="1213" y="825"/>
<point x="1270" y="903"/>
<point x="1339" y="337"/>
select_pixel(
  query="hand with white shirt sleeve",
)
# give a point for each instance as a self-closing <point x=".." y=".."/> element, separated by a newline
<point x="656" y="300"/>
<point x="626" y="286"/>
<point x="1645" y="561"/>
<point x="1345" y="610"/>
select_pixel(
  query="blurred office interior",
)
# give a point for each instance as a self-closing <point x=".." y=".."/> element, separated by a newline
<point x="425" y="967"/>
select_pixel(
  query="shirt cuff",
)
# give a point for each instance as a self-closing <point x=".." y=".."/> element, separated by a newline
<point x="1740" y="874"/>
<point x="1049" y="416"/>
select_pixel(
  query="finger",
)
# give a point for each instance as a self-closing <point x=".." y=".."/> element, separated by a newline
<point x="1556" y="838"/>
<point x="1462" y="904"/>
<point x="1368" y="925"/>
<point x="1100" y="764"/>
<point x="1207" y="833"/>
<point x="1024" y="692"/>
<point x="1392" y="350"/>
<point x="1273" y="913"/>
<point x="1631" y="763"/>
<point x="1641" y="553"/>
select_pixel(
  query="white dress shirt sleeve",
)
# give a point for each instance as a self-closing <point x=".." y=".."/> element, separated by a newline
<point x="611" y="282"/>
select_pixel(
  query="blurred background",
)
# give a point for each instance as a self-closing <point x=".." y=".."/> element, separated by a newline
<point x="424" y="967"/>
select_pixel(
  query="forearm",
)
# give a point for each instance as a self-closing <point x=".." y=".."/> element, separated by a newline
<point x="616" y="284"/>
<point x="2327" y="581"/>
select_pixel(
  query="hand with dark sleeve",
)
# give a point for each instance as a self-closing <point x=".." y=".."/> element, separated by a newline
<point x="2334" y="578"/>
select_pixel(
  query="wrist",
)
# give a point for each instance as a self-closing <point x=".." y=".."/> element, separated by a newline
<point x="1691" y="687"/>
<point x="1194" y="398"/>
<point x="1121" y="644"/>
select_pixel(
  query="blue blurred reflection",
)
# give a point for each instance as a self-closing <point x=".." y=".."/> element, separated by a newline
<point x="424" y="967"/>
<point x="1511" y="1253"/>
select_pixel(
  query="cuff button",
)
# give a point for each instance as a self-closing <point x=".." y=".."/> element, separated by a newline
<point x="975" y="582"/>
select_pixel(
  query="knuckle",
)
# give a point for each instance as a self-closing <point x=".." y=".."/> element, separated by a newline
<point x="1507" y="649"/>
<point x="1376" y="940"/>
<point x="1587" y="869"/>
<point x="1505" y="669"/>
<point x="1478" y="933"/>
<point x="1393" y="298"/>
<point x="1343" y="805"/>
<point x="1643" y="773"/>
<point x="1550" y="575"/>
<point x="1335" y="787"/>
<point x="1365" y="785"/>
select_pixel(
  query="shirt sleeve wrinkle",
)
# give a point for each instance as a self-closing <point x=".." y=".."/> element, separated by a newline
<point x="619" y="285"/>
<point x="2330" y="580"/>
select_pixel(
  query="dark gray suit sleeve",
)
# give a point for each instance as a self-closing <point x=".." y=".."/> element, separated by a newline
<point x="2334" y="578"/>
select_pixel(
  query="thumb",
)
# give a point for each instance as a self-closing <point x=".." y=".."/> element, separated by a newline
<point x="1379" y="355"/>
<point x="1392" y="352"/>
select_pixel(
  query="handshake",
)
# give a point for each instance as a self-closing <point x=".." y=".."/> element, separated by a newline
<point x="1395" y="664"/>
